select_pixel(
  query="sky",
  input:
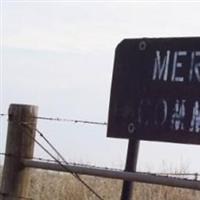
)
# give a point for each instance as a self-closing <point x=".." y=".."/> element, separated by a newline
<point x="59" y="56"/>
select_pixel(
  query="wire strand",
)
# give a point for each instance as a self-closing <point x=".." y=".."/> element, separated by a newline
<point x="114" y="169"/>
<point x="45" y="139"/>
<point x="71" y="120"/>
<point x="3" y="115"/>
<point x="51" y="155"/>
<point x="64" y="120"/>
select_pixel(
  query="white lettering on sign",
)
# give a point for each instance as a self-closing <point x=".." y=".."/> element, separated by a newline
<point x="177" y="121"/>
<point x="176" y="114"/>
<point x="161" y="68"/>
<point x="195" y="122"/>
<point x="176" y="65"/>
<point x="194" y="66"/>
<point x="161" y="105"/>
<point x="168" y="67"/>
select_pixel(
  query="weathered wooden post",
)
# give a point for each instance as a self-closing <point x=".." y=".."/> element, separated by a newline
<point x="19" y="145"/>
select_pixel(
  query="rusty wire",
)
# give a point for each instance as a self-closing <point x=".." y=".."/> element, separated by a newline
<point x="71" y="120"/>
<point x="59" y="119"/>
<point x="58" y="161"/>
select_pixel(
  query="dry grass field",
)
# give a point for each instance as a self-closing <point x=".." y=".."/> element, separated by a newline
<point x="46" y="185"/>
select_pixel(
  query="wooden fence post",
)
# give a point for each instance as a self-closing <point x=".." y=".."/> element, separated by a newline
<point x="21" y="125"/>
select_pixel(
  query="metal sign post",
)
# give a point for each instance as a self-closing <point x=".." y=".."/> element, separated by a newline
<point x="155" y="94"/>
<point x="131" y="164"/>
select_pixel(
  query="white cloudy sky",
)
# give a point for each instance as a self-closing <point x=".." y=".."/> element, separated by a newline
<point x="59" y="56"/>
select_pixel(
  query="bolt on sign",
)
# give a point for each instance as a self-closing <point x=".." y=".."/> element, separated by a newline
<point x="155" y="92"/>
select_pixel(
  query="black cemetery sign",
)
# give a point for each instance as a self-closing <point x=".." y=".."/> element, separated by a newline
<point x="155" y="92"/>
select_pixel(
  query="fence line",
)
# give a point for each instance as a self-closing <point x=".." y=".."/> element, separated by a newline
<point x="21" y="133"/>
<point x="128" y="176"/>
<point x="74" y="174"/>
<point x="72" y="120"/>
<point x="166" y="174"/>
<point x="20" y="143"/>
<point x="65" y="120"/>
<point x="95" y="123"/>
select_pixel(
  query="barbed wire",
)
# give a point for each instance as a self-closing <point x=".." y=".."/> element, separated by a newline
<point x="58" y="161"/>
<point x="65" y="120"/>
<point x="71" y="120"/>
<point x="3" y="115"/>
<point x="61" y="163"/>
<point x="176" y="174"/>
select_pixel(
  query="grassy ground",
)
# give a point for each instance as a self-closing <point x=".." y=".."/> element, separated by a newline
<point x="46" y="185"/>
